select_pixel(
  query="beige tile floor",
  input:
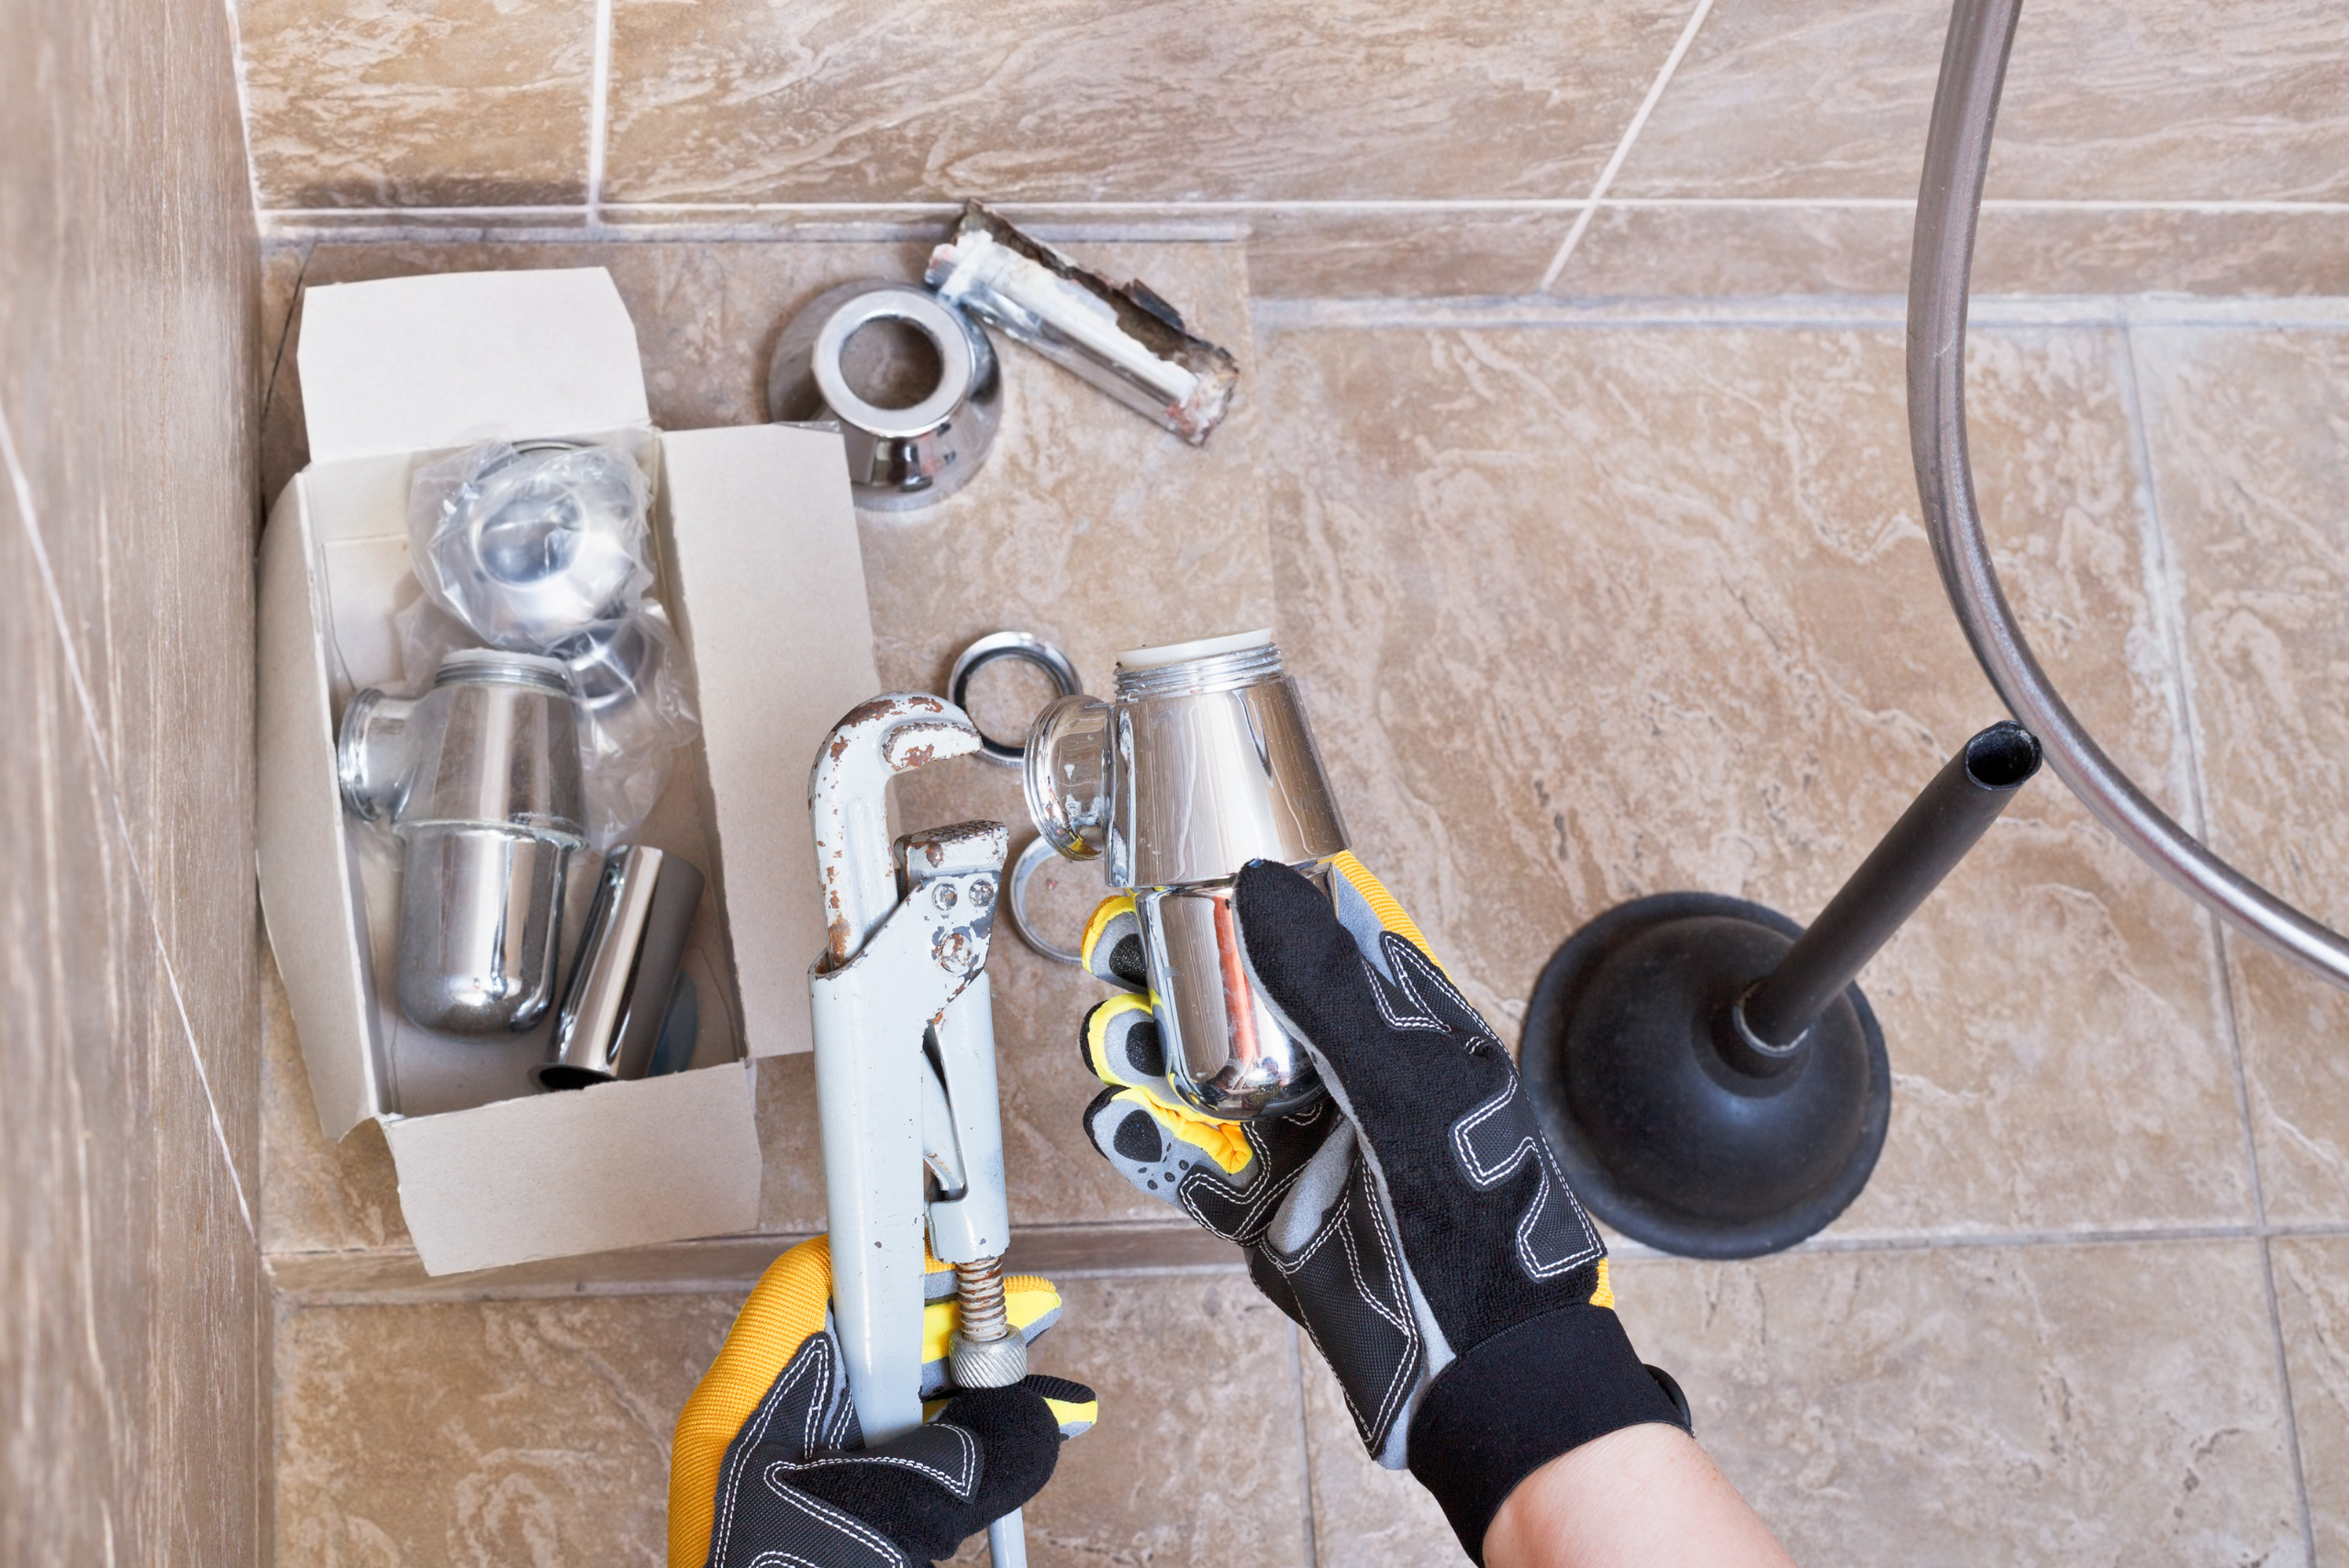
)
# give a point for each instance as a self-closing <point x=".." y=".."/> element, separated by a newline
<point x="1591" y="606"/>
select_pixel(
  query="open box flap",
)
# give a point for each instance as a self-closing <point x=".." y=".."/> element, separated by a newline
<point x="425" y="363"/>
<point x="587" y="1170"/>
<point x="309" y="891"/>
<point x="751" y="508"/>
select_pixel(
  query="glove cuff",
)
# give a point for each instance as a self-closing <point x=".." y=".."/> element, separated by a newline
<point x="1521" y="1398"/>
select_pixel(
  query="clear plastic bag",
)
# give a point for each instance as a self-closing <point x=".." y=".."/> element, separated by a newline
<point x="545" y="548"/>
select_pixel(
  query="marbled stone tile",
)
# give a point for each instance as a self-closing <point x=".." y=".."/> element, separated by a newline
<point x="129" y="287"/>
<point x="1804" y="250"/>
<point x="2246" y="430"/>
<point x="283" y="445"/>
<point x="507" y="1432"/>
<point x="1198" y="1457"/>
<point x="132" y="1367"/>
<point x="2104" y="99"/>
<point x="417" y="103"/>
<point x="2094" y="1404"/>
<point x="485" y="1433"/>
<point x="1122" y="100"/>
<point x="1363" y="1513"/>
<point x="1586" y="613"/>
<point x="1343" y="254"/>
<point x="2313" y="1297"/>
<point x="126" y="379"/>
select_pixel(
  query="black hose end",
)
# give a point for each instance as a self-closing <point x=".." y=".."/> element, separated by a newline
<point x="2002" y="756"/>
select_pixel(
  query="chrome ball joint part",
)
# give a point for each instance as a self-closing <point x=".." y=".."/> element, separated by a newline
<point x="917" y="451"/>
<point x="1201" y="762"/>
<point x="479" y="781"/>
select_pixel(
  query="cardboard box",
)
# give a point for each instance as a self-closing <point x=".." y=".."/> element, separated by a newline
<point x="761" y="572"/>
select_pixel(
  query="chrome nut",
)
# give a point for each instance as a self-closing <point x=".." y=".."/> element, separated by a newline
<point x="1017" y="645"/>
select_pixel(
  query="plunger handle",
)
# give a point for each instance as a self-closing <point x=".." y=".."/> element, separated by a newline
<point x="1923" y="847"/>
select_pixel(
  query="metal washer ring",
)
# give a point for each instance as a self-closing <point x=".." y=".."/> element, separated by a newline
<point x="1008" y="645"/>
<point x="1015" y="902"/>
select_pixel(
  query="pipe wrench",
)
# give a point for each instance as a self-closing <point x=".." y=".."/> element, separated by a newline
<point x="905" y="1069"/>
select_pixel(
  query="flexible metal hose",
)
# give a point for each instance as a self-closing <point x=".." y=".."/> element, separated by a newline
<point x="1949" y="204"/>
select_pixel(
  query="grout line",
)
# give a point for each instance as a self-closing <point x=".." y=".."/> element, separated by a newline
<point x="930" y="210"/>
<point x="1995" y="312"/>
<point x="1303" y="1449"/>
<point x="21" y="483"/>
<point x="1623" y="147"/>
<point x="599" y="111"/>
<point x="2169" y="604"/>
<point x="244" y="104"/>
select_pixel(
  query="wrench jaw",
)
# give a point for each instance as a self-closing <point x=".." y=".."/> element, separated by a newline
<point x="848" y="805"/>
<point x="904" y="1043"/>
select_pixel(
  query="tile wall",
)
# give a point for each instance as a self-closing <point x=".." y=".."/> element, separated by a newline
<point x="1597" y="148"/>
<point x="133" y="1364"/>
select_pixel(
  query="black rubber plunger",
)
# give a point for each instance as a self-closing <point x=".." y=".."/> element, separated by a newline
<point x="1711" y="1077"/>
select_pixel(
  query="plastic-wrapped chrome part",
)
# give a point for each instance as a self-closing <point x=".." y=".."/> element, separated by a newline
<point x="1124" y="339"/>
<point x="534" y="544"/>
<point x="1949" y="204"/>
<point x="545" y="548"/>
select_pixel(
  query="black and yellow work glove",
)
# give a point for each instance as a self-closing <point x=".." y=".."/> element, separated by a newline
<point x="1415" y="1222"/>
<point x="768" y="1466"/>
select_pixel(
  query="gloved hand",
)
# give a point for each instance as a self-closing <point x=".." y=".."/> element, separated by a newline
<point x="768" y="1466"/>
<point x="1414" y="1223"/>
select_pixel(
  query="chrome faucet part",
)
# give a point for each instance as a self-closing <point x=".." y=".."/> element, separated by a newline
<point x="542" y="543"/>
<point x="622" y="982"/>
<point x="1949" y="206"/>
<point x="479" y="780"/>
<point x="1031" y="859"/>
<point x="1008" y="645"/>
<point x="1126" y="340"/>
<point x="1215" y="766"/>
<point x="1201" y="762"/>
<point x="904" y="458"/>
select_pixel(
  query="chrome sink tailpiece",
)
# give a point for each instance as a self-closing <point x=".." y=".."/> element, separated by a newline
<point x="1202" y="763"/>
